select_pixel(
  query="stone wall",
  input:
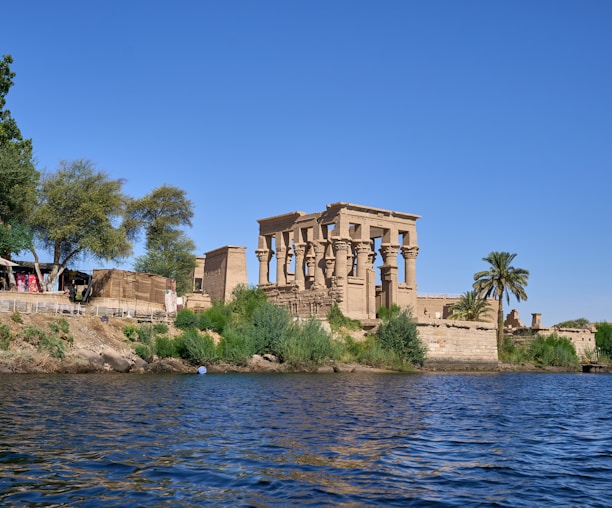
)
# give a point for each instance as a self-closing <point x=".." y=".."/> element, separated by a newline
<point x="582" y="338"/>
<point x="458" y="345"/>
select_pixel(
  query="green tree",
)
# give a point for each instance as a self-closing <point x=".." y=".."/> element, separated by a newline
<point x="173" y="257"/>
<point x="18" y="176"/>
<point x="603" y="338"/>
<point x="573" y="323"/>
<point x="469" y="307"/>
<point x="499" y="281"/>
<point x="169" y="252"/>
<point x="79" y="213"/>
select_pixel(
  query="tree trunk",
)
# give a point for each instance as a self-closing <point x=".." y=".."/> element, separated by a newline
<point x="11" y="278"/>
<point x="500" y="323"/>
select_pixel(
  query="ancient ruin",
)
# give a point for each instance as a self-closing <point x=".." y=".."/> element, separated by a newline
<point x="309" y="261"/>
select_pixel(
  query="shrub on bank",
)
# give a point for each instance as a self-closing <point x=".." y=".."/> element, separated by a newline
<point x="269" y="327"/>
<point x="337" y="320"/>
<point x="307" y="344"/>
<point x="398" y="333"/>
<point x="5" y="336"/>
<point x="235" y="347"/>
<point x="197" y="347"/>
<point x="544" y="350"/>
<point x="554" y="351"/>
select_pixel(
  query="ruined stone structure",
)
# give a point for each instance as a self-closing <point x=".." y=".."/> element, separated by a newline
<point x="216" y="275"/>
<point x="309" y="261"/>
<point x="224" y="269"/>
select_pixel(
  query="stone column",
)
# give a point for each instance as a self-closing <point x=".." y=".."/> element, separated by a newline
<point x="281" y="278"/>
<point x="341" y="248"/>
<point x="319" y="276"/>
<point x="410" y="254"/>
<point x="388" y="273"/>
<point x="300" y="250"/>
<point x="363" y="253"/>
<point x="263" y="255"/>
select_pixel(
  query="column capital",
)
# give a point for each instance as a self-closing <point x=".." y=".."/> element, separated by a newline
<point x="410" y="252"/>
<point x="262" y="254"/>
<point x="299" y="249"/>
<point x="388" y="252"/>
<point x="341" y="244"/>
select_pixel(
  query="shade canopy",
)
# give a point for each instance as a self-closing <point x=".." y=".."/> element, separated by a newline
<point x="6" y="262"/>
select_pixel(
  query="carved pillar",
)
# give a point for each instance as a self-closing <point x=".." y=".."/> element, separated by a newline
<point x="341" y="248"/>
<point x="300" y="250"/>
<point x="263" y="255"/>
<point x="310" y="264"/>
<point x="363" y="253"/>
<point x="388" y="273"/>
<point x="330" y="262"/>
<point x="319" y="276"/>
<point x="410" y="254"/>
<point x="281" y="278"/>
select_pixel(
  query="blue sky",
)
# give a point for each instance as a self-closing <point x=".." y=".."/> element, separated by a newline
<point x="490" y="119"/>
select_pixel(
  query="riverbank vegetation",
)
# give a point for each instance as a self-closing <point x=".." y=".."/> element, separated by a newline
<point x="544" y="351"/>
<point x="249" y="325"/>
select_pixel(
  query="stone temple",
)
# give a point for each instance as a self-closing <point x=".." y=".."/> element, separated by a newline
<point x="309" y="261"/>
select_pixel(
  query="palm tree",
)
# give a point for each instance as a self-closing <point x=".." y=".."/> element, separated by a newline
<point x="469" y="307"/>
<point x="500" y="280"/>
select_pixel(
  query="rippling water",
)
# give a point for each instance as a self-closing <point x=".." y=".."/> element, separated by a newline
<point x="306" y="440"/>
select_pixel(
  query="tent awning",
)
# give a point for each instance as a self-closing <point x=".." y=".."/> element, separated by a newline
<point x="6" y="262"/>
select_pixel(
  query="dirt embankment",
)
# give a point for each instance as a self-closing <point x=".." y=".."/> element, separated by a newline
<point x="89" y="345"/>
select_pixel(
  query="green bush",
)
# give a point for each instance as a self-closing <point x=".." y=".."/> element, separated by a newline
<point x="398" y="333"/>
<point x="144" y="352"/>
<point x="338" y="320"/>
<point x="5" y="336"/>
<point x="160" y="328"/>
<point x="235" y="347"/>
<point x="185" y="318"/>
<point x="214" y="319"/>
<point x="245" y="301"/>
<point x="370" y="352"/>
<point x="53" y="345"/>
<point x="269" y="327"/>
<point x="145" y="334"/>
<point x="306" y="345"/>
<point x="197" y="347"/>
<point x="554" y="351"/>
<point x="60" y="327"/>
<point x="385" y="313"/>
<point x="33" y="335"/>
<point x="131" y="332"/>
<point x="16" y="317"/>
<point x="165" y="347"/>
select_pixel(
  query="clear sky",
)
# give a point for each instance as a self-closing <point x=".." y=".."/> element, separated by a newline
<point x="490" y="119"/>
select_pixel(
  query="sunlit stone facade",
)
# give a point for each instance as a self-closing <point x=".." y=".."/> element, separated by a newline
<point x="309" y="261"/>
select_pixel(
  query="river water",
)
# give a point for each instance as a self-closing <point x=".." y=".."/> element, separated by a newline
<point x="501" y="439"/>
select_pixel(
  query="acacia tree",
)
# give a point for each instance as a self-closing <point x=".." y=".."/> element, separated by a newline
<point x="18" y="176"/>
<point x="169" y="252"/>
<point x="80" y="211"/>
<point x="470" y="307"/>
<point x="499" y="281"/>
